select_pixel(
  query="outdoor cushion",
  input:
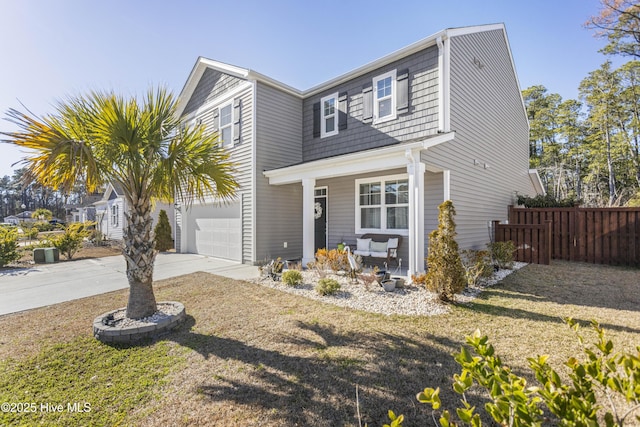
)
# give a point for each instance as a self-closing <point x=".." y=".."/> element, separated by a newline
<point x="363" y="245"/>
<point x="392" y="243"/>
<point x="379" y="247"/>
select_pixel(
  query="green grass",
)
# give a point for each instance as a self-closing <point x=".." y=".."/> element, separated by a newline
<point x="106" y="382"/>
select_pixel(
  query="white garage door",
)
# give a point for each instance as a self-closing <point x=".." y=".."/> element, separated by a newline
<point x="215" y="231"/>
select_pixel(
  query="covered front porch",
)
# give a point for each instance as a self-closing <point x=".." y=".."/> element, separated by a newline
<point x="381" y="191"/>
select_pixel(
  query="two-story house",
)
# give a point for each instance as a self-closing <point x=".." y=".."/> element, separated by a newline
<point x="373" y="151"/>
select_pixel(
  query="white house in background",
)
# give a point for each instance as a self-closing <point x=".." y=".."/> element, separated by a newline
<point x="12" y="219"/>
<point x="109" y="213"/>
<point x="375" y="150"/>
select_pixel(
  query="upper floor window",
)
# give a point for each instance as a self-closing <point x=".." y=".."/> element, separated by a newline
<point x="384" y="102"/>
<point x="329" y="112"/>
<point x="226" y="125"/>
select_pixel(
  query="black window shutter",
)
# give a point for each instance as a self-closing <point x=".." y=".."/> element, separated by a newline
<point x="367" y="103"/>
<point x="215" y="125"/>
<point x="402" y="86"/>
<point x="316" y="120"/>
<point x="236" y="123"/>
<point x="343" y="107"/>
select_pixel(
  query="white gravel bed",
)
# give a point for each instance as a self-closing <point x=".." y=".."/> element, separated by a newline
<point x="165" y="310"/>
<point x="409" y="301"/>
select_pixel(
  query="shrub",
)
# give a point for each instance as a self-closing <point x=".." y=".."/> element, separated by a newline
<point x="71" y="241"/>
<point x="513" y="402"/>
<point x="292" y="277"/>
<point x="8" y="246"/>
<point x="547" y="201"/>
<point x="31" y="233"/>
<point x="476" y="264"/>
<point x="502" y="253"/>
<point x="333" y="259"/>
<point x="446" y="276"/>
<point x="327" y="286"/>
<point x="163" y="239"/>
<point x="40" y="226"/>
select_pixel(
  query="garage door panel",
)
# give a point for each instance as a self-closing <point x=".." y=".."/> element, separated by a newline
<point x="216" y="231"/>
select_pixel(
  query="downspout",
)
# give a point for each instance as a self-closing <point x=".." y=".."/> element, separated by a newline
<point x="444" y="89"/>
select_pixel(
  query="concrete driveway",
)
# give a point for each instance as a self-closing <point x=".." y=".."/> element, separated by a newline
<point x="47" y="284"/>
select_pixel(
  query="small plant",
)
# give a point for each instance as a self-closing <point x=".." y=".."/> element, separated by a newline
<point x="333" y="259"/>
<point x="8" y="246"/>
<point x="446" y="276"/>
<point x="611" y="377"/>
<point x="162" y="231"/>
<point x="292" y="278"/>
<point x="327" y="286"/>
<point x="502" y="254"/>
<point x="71" y="241"/>
<point x="477" y="264"/>
<point x="367" y="279"/>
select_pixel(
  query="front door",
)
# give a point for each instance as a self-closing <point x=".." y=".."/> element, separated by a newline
<point x="320" y="211"/>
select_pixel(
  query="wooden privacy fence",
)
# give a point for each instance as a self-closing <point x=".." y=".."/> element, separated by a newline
<point x="533" y="241"/>
<point x="595" y="235"/>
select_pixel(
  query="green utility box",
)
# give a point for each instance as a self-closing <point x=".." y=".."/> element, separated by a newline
<point x="46" y="255"/>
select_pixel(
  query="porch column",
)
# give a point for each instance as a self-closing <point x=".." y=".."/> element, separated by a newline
<point x="416" y="170"/>
<point x="308" y="220"/>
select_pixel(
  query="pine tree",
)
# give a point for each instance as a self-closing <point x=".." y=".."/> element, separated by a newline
<point x="446" y="274"/>
<point x="163" y="239"/>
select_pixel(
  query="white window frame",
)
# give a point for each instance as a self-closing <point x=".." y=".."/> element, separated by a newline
<point x="376" y="101"/>
<point x="229" y="125"/>
<point x="383" y="206"/>
<point x="114" y="215"/>
<point x="323" y="117"/>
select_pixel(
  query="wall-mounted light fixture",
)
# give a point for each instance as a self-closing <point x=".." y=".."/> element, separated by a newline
<point x="486" y="166"/>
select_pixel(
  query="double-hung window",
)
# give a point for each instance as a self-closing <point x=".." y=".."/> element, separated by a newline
<point x="114" y="215"/>
<point x="384" y="97"/>
<point x="383" y="204"/>
<point x="329" y="115"/>
<point x="226" y="125"/>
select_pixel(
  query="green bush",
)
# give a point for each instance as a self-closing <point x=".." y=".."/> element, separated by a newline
<point x="71" y="241"/>
<point x="162" y="231"/>
<point x="477" y="264"/>
<point x="8" y="246"/>
<point x="32" y="233"/>
<point x="547" y="201"/>
<point x="327" y="286"/>
<point x="612" y="377"/>
<point x="292" y="277"/>
<point x="445" y="275"/>
<point x="40" y="226"/>
<point x="502" y="253"/>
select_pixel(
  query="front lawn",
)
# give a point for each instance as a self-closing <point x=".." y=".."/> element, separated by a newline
<point x="254" y="356"/>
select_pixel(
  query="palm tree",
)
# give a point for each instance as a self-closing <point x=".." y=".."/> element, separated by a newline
<point x="139" y="144"/>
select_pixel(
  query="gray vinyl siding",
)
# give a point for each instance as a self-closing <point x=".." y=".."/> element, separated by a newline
<point x="212" y="84"/>
<point x="420" y="121"/>
<point x="278" y="144"/>
<point x="342" y="209"/>
<point x="490" y="127"/>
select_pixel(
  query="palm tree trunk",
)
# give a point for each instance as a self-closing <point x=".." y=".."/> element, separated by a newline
<point x="140" y="257"/>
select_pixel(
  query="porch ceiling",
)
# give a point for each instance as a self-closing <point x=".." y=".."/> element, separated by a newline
<point x="389" y="157"/>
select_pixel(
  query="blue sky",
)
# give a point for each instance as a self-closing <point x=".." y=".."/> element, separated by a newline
<point x="53" y="49"/>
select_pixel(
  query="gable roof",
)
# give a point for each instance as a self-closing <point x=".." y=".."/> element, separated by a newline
<point x="203" y="63"/>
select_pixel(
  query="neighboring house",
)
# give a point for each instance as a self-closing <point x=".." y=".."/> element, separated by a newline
<point x="84" y="210"/>
<point x="12" y="219"/>
<point x="110" y="211"/>
<point x="373" y="151"/>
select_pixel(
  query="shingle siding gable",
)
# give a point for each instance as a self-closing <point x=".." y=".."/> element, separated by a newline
<point x="421" y="119"/>
<point x="212" y="84"/>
